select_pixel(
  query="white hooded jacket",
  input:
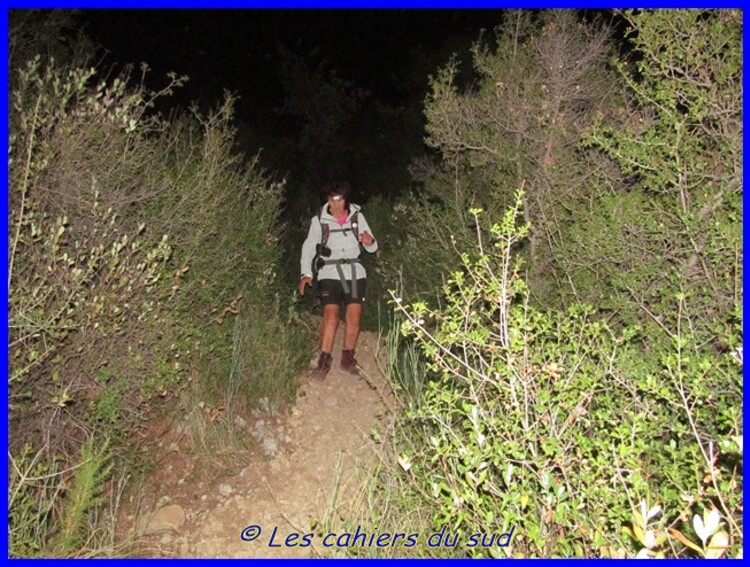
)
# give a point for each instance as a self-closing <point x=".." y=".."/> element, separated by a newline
<point x="342" y="244"/>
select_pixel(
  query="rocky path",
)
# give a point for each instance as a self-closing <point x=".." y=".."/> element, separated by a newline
<point x="307" y="464"/>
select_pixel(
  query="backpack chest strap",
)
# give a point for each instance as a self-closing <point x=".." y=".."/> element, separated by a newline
<point x="341" y="261"/>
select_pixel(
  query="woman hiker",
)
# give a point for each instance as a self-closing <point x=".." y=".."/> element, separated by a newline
<point x="332" y="248"/>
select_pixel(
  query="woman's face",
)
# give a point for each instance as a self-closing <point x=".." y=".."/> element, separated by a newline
<point x="337" y="203"/>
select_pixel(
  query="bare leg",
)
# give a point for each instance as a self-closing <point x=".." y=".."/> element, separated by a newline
<point x="353" y="318"/>
<point x="330" y="325"/>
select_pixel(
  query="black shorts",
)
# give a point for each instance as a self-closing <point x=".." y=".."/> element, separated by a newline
<point x="332" y="292"/>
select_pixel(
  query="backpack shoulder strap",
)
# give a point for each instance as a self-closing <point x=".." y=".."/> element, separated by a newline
<point x="325" y="229"/>
<point x="355" y="224"/>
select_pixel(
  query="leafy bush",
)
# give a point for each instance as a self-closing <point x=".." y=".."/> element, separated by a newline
<point x="538" y="420"/>
<point x="540" y="79"/>
<point x="132" y="239"/>
<point x="593" y="439"/>
<point x="677" y="223"/>
<point x="85" y="274"/>
<point x="160" y="221"/>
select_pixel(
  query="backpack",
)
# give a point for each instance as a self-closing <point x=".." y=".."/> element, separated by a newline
<point x="321" y="250"/>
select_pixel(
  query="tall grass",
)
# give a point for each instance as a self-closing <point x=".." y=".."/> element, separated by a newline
<point x="404" y="362"/>
<point x="267" y="355"/>
<point x="66" y="512"/>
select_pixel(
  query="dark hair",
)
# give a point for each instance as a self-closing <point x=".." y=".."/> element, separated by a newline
<point x="335" y="188"/>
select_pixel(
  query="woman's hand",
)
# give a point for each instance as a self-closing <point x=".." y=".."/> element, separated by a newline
<point x="303" y="283"/>
<point x="366" y="238"/>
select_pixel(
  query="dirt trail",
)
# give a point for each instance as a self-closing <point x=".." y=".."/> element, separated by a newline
<point x="323" y="446"/>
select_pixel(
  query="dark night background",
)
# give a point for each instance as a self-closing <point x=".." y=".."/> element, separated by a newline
<point x="237" y="49"/>
<point x="387" y="53"/>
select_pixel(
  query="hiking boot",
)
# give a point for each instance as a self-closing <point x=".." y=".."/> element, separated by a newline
<point x="324" y="365"/>
<point x="348" y="362"/>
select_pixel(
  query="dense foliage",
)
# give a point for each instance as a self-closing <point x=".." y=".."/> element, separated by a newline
<point x="540" y="84"/>
<point x="590" y="391"/>
<point x="141" y="248"/>
<point x="552" y="424"/>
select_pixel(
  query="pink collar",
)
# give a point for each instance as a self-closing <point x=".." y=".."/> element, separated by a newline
<point x="341" y="220"/>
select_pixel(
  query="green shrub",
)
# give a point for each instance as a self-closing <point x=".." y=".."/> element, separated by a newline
<point x="92" y="471"/>
<point x="675" y="227"/>
<point x="539" y="420"/>
<point x="85" y="274"/>
<point x="33" y="488"/>
<point x="228" y="238"/>
<point x="541" y="77"/>
<point x="133" y="239"/>
<point x="51" y="510"/>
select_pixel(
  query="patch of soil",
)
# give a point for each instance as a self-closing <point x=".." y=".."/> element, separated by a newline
<point x="306" y="462"/>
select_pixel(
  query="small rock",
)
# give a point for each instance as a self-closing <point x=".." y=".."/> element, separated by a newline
<point x="166" y="539"/>
<point x="204" y="497"/>
<point x="259" y="430"/>
<point x="240" y="422"/>
<point x="314" y="360"/>
<point x="270" y="446"/>
<point x="163" y="501"/>
<point x="225" y="489"/>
